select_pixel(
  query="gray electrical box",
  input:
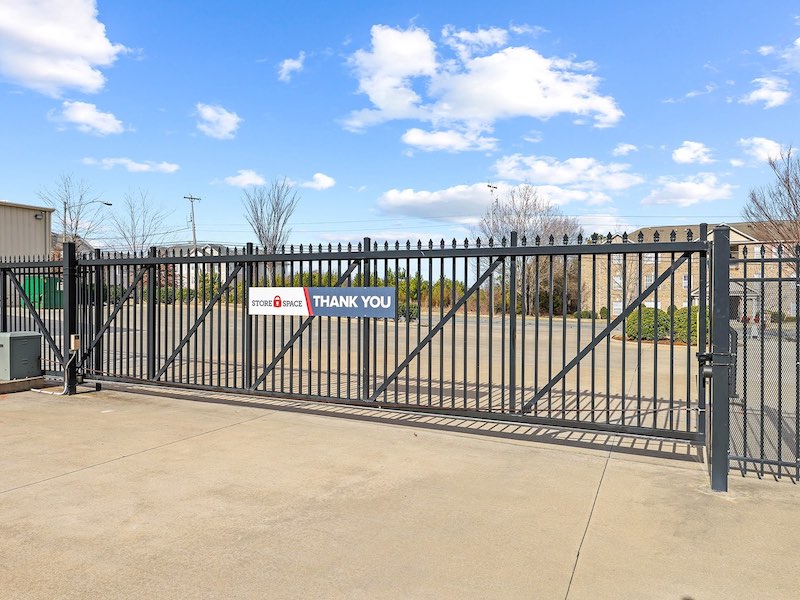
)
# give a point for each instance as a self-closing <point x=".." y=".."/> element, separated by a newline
<point x="20" y="355"/>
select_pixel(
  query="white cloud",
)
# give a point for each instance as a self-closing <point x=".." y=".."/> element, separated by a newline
<point x="736" y="162"/>
<point x="624" y="149"/>
<point x="772" y="91"/>
<point x="582" y="173"/>
<point x="465" y="43"/>
<point x="692" y="153"/>
<point x="603" y="224"/>
<point x="52" y="45"/>
<point x="766" y="50"/>
<point x="87" y="118"/>
<point x="245" y="178"/>
<point x="703" y="187"/>
<point x="791" y="55"/>
<point x="216" y="121"/>
<point x="463" y="204"/>
<point x="319" y="181"/>
<point x="289" y="66"/>
<point x="132" y="166"/>
<point x="405" y="76"/>
<point x="760" y="148"/>
<point x="450" y="140"/>
<point x="466" y="204"/>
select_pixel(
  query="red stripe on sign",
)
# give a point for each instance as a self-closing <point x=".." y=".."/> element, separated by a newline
<point x="308" y="302"/>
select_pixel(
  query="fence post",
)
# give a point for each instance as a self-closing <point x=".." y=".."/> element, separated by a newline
<point x="70" y="273"/>
<point x="702" y="320"/>
<point x="512" y="333"/>
<point x="3" y="302"/>
<point x="720" y="357"/>
<point x="248" y="320"/>
<point x="152" y="284"/>
<point x="365" y="355"/>
<point x="97" y="365"/>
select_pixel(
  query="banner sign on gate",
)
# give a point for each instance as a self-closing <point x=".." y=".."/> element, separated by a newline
<point x="323" y="301"/>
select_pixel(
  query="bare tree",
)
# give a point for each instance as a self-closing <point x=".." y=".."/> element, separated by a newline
<point x="140" y="223"/>
<point x="76" y="207"/>
<point x="774" y="209"/>
<point x="268" y="210"/>
<point x="523" y="210"/>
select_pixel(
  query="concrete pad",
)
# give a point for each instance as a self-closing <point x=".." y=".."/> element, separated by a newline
<point x="659" y="532"/>
<point x="20" y="385"/>
<point x="196" y="500"/>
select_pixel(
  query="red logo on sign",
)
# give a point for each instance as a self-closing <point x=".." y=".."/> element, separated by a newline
<point x="277" y="302"/>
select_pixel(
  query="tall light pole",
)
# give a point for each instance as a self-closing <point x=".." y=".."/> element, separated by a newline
<point x="492" y="190"/>
<point x="66" y="211"/>
<point x="192" y="200"/>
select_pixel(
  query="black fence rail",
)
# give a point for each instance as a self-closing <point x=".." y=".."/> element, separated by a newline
<point x="765" y="395"/>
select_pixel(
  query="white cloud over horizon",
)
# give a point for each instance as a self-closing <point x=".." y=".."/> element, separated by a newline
<point x="87" y="118"/>
<point x="132" y="166"/>
<point x="319" y="182"/>
<point x="245" y="178"/>
<point x="579" y="172"/>
<point x="289" y="66"/>
<point x="703" y="187"/>
<point x="217" y="122"/>
<point x="486" y="81"/>
<point x="53" y="45"/>
<point x="466" y="204"/>
<point x="692" y="153"/>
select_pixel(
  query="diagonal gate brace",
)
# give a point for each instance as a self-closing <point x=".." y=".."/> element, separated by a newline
<point x="439" y="326"/>
<point x="296" y="335"/>
<point x="606" y="332"/>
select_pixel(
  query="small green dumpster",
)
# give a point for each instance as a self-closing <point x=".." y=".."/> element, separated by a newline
<point x="43" y="292"/>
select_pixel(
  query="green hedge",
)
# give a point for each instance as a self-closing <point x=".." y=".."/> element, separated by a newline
<point x="682" y="324"/>
<point x="410" y="312"/>
<point x="649" y="318"/>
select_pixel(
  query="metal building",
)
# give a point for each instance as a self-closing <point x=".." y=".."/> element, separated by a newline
<point x="25" y="230"/>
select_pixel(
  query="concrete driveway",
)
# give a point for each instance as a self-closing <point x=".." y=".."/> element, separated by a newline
<point x="116" y="494"/>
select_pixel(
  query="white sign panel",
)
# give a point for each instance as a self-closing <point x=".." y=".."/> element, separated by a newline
<point x="286" y="301"/>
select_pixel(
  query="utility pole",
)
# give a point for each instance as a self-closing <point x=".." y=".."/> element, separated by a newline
<point x="192" y="200"/>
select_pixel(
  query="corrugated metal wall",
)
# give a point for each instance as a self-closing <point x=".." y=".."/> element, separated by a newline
<point x="21" y="233"/>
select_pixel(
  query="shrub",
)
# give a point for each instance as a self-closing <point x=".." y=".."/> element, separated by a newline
<point x="682" y="324"/>
<point x="586" y="314"/>
<point x="777" y="317"/>
<point x="603" y="312"/>
<point x="649" y="318"/>
<point x="409" y="312"/>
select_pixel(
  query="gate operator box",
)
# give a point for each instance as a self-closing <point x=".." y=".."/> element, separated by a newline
<point x="20" y="355"/>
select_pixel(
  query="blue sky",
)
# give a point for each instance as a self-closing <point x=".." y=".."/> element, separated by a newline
<point x="391" y="120"/>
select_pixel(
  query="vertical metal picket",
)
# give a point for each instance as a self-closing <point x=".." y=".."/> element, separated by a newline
<point x="3" y="302"/>
<point x="151" y="314"/>
<point x="247" y="380"/>
<point x="365" y="353"/>
<point x="97" y="298"/>
<point x="512" y="334"/>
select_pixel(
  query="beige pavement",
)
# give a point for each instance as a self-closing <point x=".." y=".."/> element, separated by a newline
<point x="121" y="495"/>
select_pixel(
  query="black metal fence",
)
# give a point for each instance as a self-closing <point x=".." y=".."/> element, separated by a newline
<point x="765" y="399"/>
<point x="558" y="333"/>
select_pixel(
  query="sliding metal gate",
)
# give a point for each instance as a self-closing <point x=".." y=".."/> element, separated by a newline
<point x="557" y="332"/>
